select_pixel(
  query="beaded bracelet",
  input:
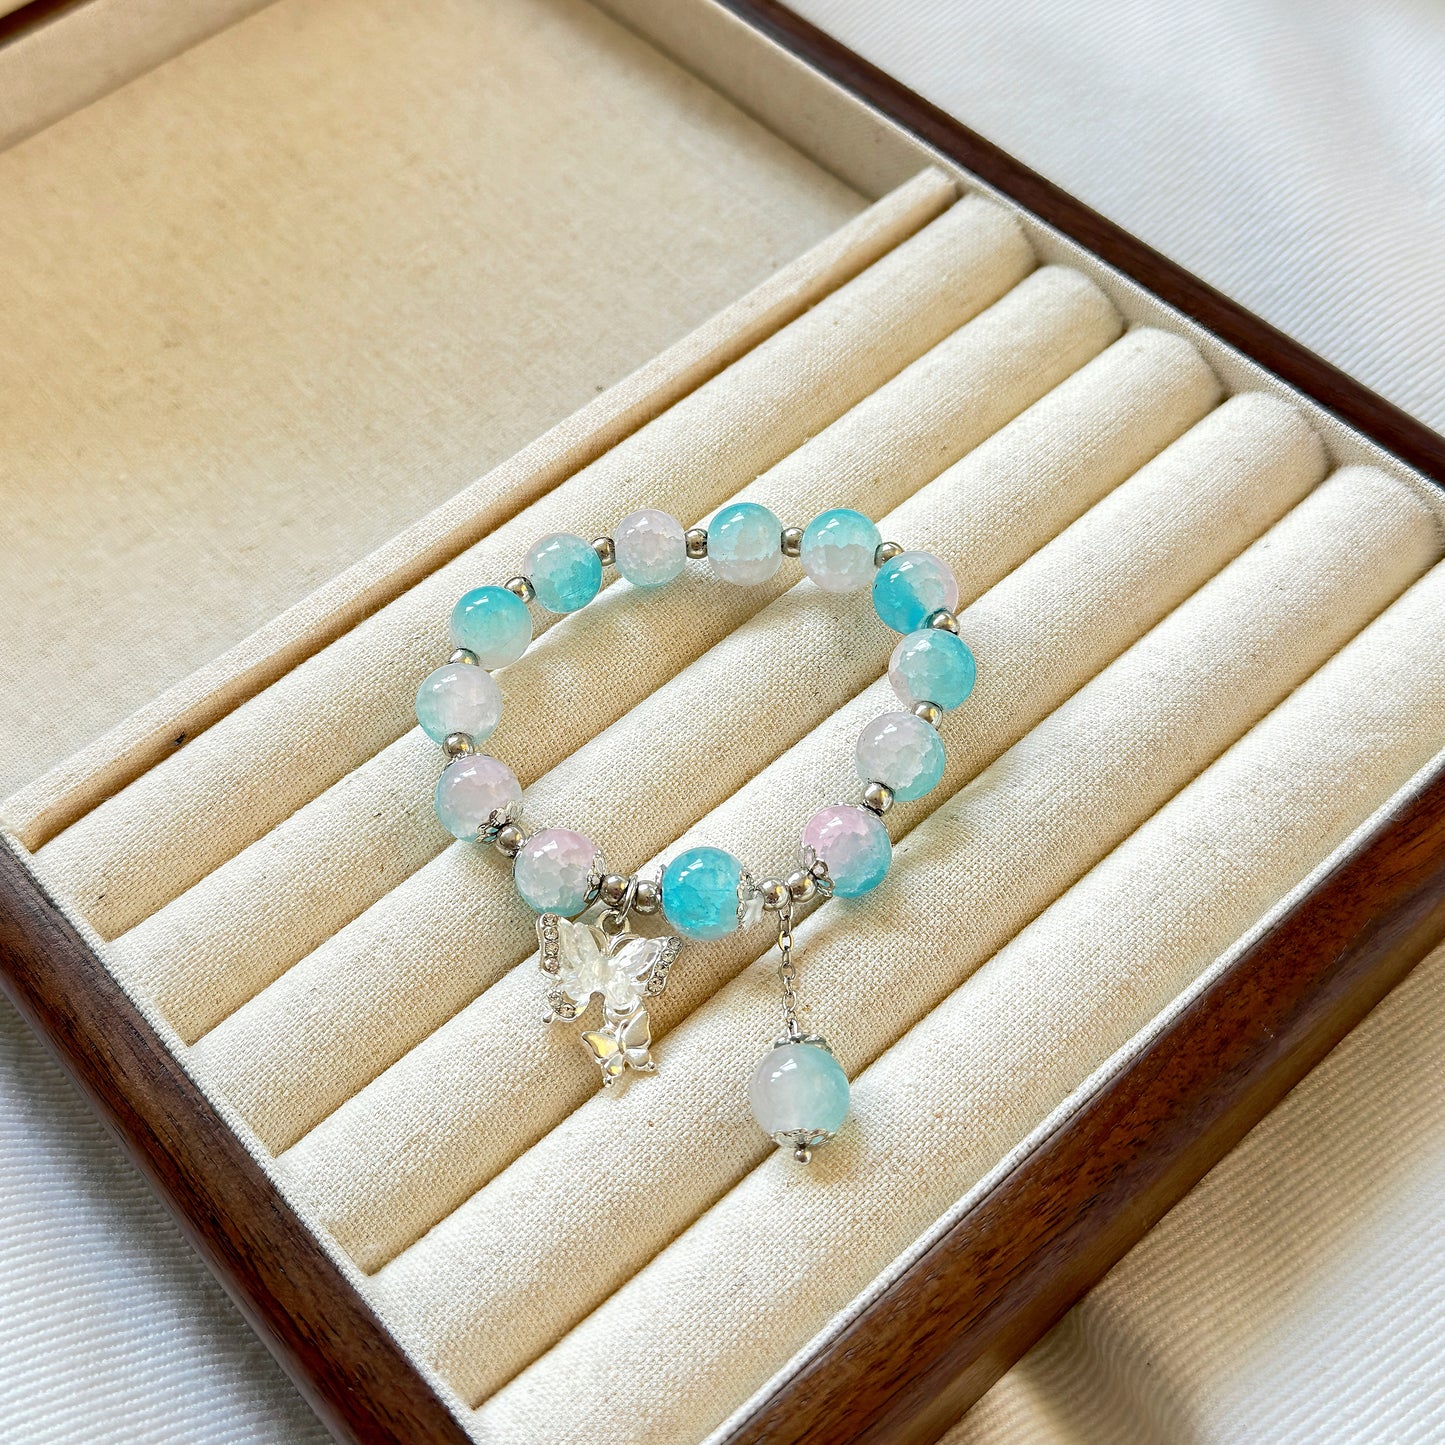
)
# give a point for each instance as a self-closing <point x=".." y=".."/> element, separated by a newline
<point x="798" y="1092"/>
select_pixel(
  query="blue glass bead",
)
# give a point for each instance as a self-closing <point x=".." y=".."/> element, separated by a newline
<point x="700" y="892"/>
<point x="458" y="698"/>
<point x="799" y="1089"/>
<point x="565" y="570"/>
<point x="932" y="666"/>
<point x="838" y="548"/>
<point x="493" y="623"/>
<point x="854" y="845"/>
<point x="911" y="586"/>
<point x="745" y="544"/>
<point x="903" y="752"/>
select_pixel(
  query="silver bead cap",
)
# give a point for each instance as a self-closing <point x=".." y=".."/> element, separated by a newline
<point x="498" y="820"/>
<point x="801" y="1142"/>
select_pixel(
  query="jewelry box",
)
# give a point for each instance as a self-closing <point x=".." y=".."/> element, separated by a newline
<point x="317" y="314"/>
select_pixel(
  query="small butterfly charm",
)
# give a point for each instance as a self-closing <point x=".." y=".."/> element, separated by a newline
<point x="622" y="1044"/>
<point x="624" y="969"/>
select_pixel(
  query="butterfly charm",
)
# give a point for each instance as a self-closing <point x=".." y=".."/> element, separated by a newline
<point x="623" y="969"/>
<point x="622" y="1044"/>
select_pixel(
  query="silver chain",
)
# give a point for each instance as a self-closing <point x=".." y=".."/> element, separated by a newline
<point x="788" y="973"/>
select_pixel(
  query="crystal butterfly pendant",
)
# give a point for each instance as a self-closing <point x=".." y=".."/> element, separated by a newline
<point x="582" y="959"/>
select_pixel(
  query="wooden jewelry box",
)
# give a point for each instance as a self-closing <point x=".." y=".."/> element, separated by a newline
<point x="282" y="281"/>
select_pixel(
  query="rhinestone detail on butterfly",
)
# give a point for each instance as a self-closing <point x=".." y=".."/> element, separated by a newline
<point x="624" y="969"/>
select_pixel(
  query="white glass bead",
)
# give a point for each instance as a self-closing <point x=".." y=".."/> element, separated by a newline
<point x="932" y="666"/>
<point x="838" y="550"/>
<point x="908" y="588"/>
<point x="799" y="1088"/>
<point x="553" y="871"/>
<point x="470" y="790"/>
<point x="458" y="698"/>
<point x="901" y="751"/>
<point x="745" y="544"/>
<point x="650" y="548"/>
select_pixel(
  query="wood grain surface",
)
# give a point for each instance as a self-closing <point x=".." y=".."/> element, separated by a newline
<point x="296" y="1298"/>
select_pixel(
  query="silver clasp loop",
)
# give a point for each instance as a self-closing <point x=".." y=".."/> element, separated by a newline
<point x="615" y="919"/>
<point x="497" y="820"/>
<point x="787" y="975"/>
<point x="785" y="928"/>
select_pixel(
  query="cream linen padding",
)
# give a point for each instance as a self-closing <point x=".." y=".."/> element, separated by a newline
<point x="765" y="1268"/>
<point x="255" y="766"/>
<point x="40" y="810"/>
<point x="82" y="52"/>
<point x="333" y="1022"/>
<point x="469" y="1099"/>
<point x="481" y="1297"/>
<point x="217" y="945"/>
<point x="269" y="303"/>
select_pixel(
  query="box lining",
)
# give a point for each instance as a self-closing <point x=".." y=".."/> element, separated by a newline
<point x="1312" y="470"/>
<point x="271" y="302"/>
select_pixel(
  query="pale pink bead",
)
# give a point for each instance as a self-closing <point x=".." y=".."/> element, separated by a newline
<point x="470" y="790"/>
<point x="553" y="871"/>
<point x="853" y="843"/>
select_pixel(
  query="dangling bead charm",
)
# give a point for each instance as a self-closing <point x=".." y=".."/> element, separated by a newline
<point x="799" y="1095"/>
<point x="798" y="1092"/>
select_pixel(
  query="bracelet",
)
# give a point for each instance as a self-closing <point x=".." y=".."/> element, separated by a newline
<point x="798" y="1092"/>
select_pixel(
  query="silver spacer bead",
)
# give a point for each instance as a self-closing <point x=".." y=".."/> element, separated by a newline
<point x="697" y="542"/>
<point x="648" y="898"/>
<point x="878" y="798"/>
<point x="614" y="889"/>
<point x="466" y="655"/>
<point x="885" y="552"/>
<point x="801" y="886"/>
<point x="792" y="541"/>
<point x="509" y="840"/>
<point x="930" y="712"/>
<point x="520" y="587"/>
<point x="606" y="552"/>
<point x="943" y="621"/>
<point x="458" y="745"/>
<point x="803" y="1154"/>
<point x="774" y="894"/>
